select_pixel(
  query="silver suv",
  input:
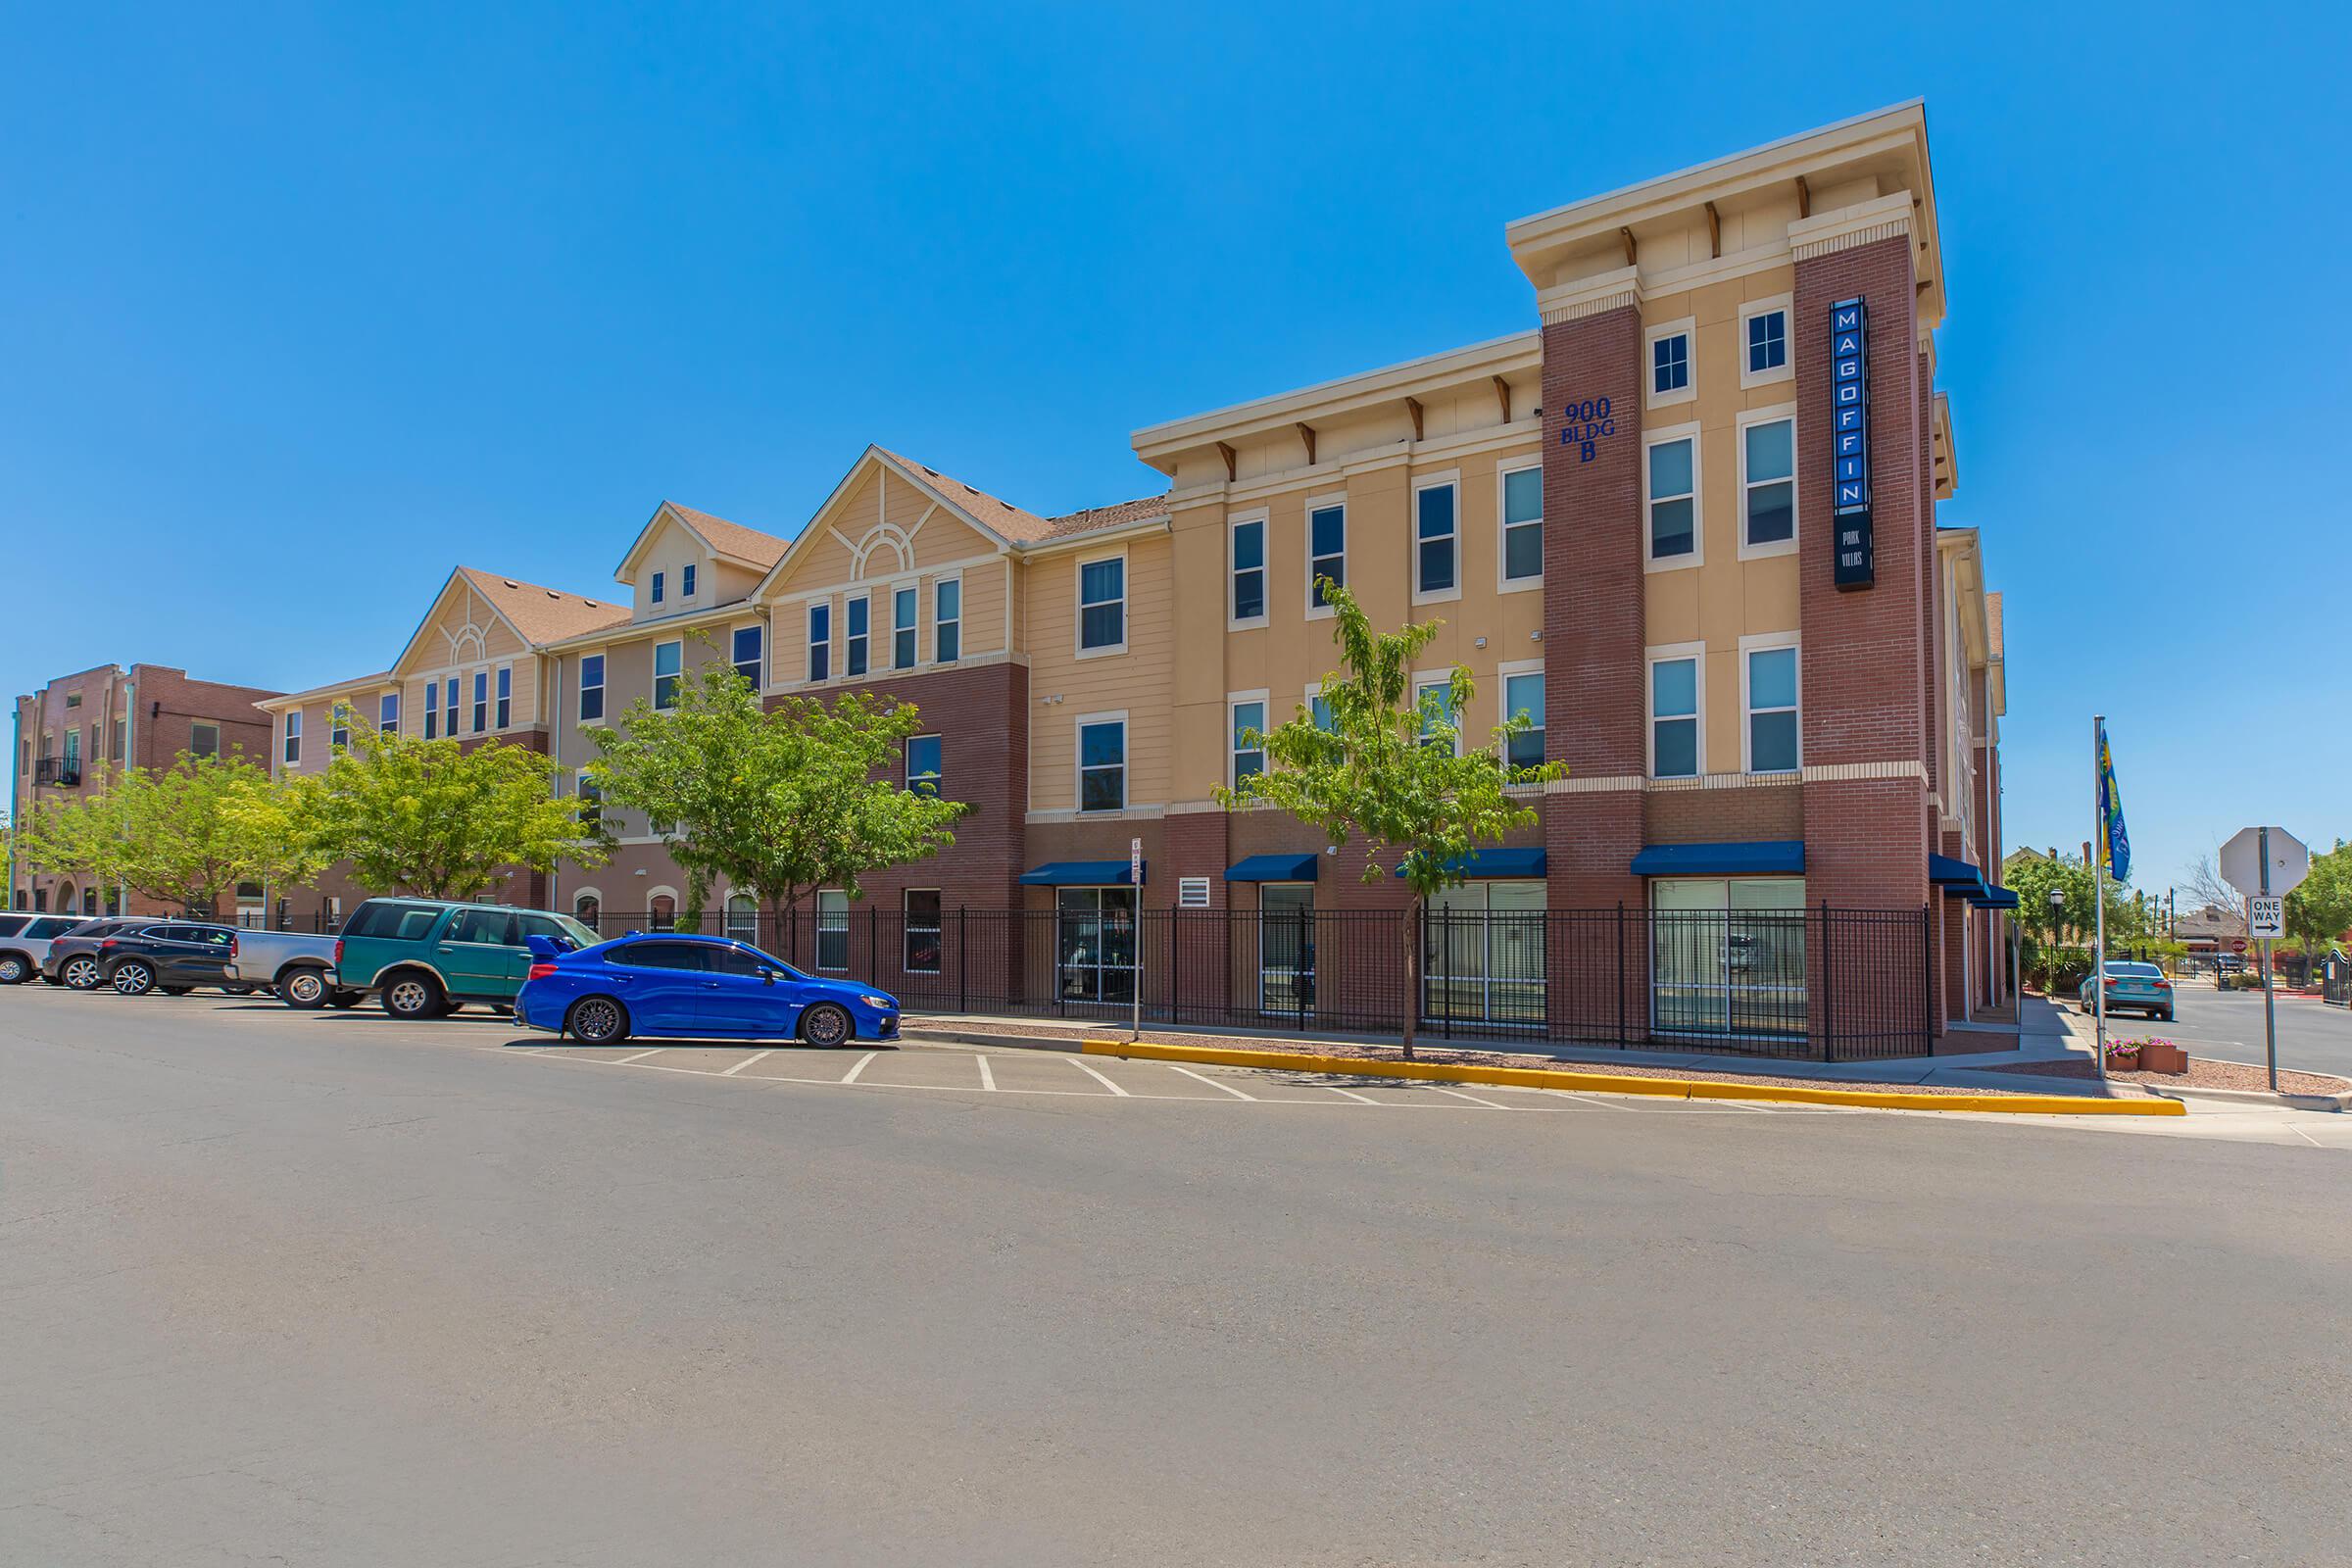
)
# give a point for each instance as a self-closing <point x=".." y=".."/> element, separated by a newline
<point x="24" y="940"/>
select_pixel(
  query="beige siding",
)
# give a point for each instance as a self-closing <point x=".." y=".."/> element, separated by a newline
<point x="1139" y="681"/>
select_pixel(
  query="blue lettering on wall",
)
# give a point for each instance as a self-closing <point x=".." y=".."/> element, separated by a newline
<point x="1583" y="424"/>
<point x="1855" y="563"/>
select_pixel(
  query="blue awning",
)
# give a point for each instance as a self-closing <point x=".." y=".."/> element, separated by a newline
<point x="1274" y="868"/>
<point x="1498" y="863"/>
<point x="1757" y="858"/>
<point x="1957" y="878"/>
<point x="1996" y="898"/>
<point x="1080" y="874"/>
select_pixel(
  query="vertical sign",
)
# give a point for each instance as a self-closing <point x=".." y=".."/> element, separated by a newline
<point x="1849" y="445"/>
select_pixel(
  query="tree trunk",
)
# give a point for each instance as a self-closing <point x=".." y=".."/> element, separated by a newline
<point x="1412" y="972"/>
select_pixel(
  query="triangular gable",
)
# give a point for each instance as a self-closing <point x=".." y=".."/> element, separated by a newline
<point x="874" y="460"/>
<point x="457" y="579"/>
<point x="713" y="532"/>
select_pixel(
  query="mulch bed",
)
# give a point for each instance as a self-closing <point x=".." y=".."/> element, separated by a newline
<point x="2203" y="1073"/>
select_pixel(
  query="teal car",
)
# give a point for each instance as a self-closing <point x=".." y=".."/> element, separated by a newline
<point x="2133" y="987"/>
<point x="427" y="958"/>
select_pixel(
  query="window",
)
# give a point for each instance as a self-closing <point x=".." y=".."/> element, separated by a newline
<point x="432" y="714"/>
<point x="1772" y="709"/>
<point x="1436" y="535"/>
<point x="657" y="592"/>
<point x="1669" y="362"/>
<point x="743" y="918"/>
<point x="293" y="738"/>
<point x="661" y="913"/>
<point x="661" y="955"/>
<point x="1523" y="525"/>
<point x="204" y="740"/>
<point x="668" y="661"/>
<point x="1096" y="945"/>
<point x="1483" y="954"/>
<point x="1767" y="484"/>
<point x="903" y="603"/>
<point x="449" y="707"/>
<point x="1318" y="709"/>
<point x="746" y="649"/>
<point x="1674" y="499"/>
<point x="488" y="925"/>
<point x="387" y="713"/>
<point x="921" y="927"/>
<point x="820" y="642"/>
<point x="121" y="744"/>
<point x="72" y="699"/>
<point x="338" y="734"/>
<point x="686" y="582"/>
<point x="1433" y="697"/>
<point x="592" y="687"/>
<point x="1523" y="694"/>
<point x="1103" y="765"/>
<point x="506" y="695"/>
<point x="1103" y="606"/>
<point x="1286" y="948"/>
<point x="1764" y="340"/>
<point x="588" y="910"/>
<point x="1249" y="568"/>
<point x="1326" y="551"/>
<point x="1728" y="956"/>
<point x="1249" y="754"/>
<point x="947" y="620"/>
<point x="860" y="607"/>
<point x="1674" y="740"/>
<point x="481" y="701"/>
<point x="592" y="802"/>
<point x="833" y="930"/>
<point x="923" y="764"/>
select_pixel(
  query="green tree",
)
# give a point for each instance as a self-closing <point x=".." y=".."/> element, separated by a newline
<point x="2319" y="909"/>
<point x="437" y="819"/>
<point x="776" y="803"/>
<point x="1390" y="769"/>
<point x="184" y="837"/>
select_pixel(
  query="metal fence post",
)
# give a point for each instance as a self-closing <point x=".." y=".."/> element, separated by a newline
<point x="1926" y="988"/>
<point x="1446" y="952"/>
<point x="1621" y="976"/>
<point x="873" y="943"/>
<point x="964" y="958"/>
<point x="1829" y="992"/>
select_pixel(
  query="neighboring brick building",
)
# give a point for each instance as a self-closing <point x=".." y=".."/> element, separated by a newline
<point x="73" y="730"/>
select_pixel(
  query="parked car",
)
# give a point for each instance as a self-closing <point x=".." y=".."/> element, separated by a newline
<point x="675" y="986"/>
<point x="2135" y="988"/>
<point x="72" y="959"/>
<point x="300" y="969"/>
<point x="173" y="957"/>
<point x="25" y="942"/>
<point x="424" y="957"/>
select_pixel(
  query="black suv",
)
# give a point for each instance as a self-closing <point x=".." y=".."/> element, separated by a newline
<point x="171" y="957"/>
<point x="72" y="959"/>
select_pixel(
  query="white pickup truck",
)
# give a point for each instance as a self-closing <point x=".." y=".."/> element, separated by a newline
<point x="300" y="968"/>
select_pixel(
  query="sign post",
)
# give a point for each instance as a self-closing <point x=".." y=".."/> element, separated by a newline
<point x="2265" y="863"/>
<point x="1135" y="879"/>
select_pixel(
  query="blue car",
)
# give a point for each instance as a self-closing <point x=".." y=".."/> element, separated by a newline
<point x="672" y="986"/>
<point x="2139" y="987"/>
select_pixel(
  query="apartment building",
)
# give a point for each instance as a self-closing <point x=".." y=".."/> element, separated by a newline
<point x="1685" y="521"/>
<point x="73" y="730"/>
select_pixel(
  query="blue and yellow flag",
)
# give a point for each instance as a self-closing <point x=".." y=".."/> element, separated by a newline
<point x="2116" y="845"/>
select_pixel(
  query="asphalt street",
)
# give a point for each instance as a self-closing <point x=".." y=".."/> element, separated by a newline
<point x="2226" y="1025"/>
<point x="325" y="1289"/>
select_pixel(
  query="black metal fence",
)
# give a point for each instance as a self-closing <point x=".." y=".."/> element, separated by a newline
<point x="1819" y="982"/>
<point x="2335" y="982"/>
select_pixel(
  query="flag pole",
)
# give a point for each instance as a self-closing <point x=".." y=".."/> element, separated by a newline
<point x="2098" y="882"/>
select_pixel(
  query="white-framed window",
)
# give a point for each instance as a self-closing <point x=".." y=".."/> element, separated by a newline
<point x="833" y="931"/>
<point x="1523" y="693"/>
<point x="1678" y="687"/>
<point x="592" y="798"/>
<point x="1318" y="710"/>
<point x="820" y="641"/>
<point x="1326" y="549"/>
<point x="686" y="581"/>
<point x="1519" y="497"/>
<point x="1246" y="712"/>
<point x="743" y="918"/>
<point x="861" y="616"/>
<point x="746" y="648"/>
<point x="481" y="701"/>
<point x="669" y="664"/>
<point x="339" y="727"/>
<point x="1103" y="606"/>
<point x="947" y="620"/>
<point x="1764" y="341"/>
<point x="449" y="707"/>
<point x="1433" y="698"/>
<point x="1437" y="539"/>
<point x="1669" y="362"/>
<point x="506" y="695"/>
<point x="906" y="604"/>
<point x="1103" y="762"/>
<point x="921" y="927"/>
<point x="1770" y="741"/>
<point x="387" y="713"/>
<point x="1246" y="566"/>
<point x="1482" y="955"/>
<point x="1670" y="463"/>
<point x="592" y="688"/>
<point x="925" y="761"/>
<point x="588" y="908"/>
<point x="1768" y="482"/>
<point x="658" y="584"/>
<point x="432" y="719"/>
<point x="293" y="736"/>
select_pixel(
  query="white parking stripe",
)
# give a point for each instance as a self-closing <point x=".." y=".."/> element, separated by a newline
<point x="862" y="1062"/>
<point x="746" y="1062"/>
<point x="1212" y="1083"/>
<point x="1361" y="1099"/>
<point x="987" y="1074"/>
<point x="641" y="1055"/>
<point x="1098" y="1077"/>
<point x="1473" y="1099"/>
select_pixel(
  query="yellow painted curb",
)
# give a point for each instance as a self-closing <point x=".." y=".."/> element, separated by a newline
<point x="1609" y="1083"/>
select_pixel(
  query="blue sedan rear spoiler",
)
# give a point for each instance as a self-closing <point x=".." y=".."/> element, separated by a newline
<point x="547" y="948"/>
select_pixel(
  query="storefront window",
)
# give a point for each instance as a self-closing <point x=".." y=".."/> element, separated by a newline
<point x="1096" y="945"/>
<point x="1482" y="954"/>
<point x="1286" y="948"/>
<point x="1728" y="956"/>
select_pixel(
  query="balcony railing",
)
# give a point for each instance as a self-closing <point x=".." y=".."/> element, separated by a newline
<point x="58" y="771"/>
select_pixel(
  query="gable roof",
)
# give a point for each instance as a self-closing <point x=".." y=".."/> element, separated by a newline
<point x="731" y="541"/>
<point x="541" y="614"/>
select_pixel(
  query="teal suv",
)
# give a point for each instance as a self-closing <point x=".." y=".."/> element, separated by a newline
<point x="425" y="958"/>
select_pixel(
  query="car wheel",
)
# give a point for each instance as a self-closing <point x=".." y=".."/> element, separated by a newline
<point x="304" y="989"/>
<point x="826" y="1026"/>
<point x="597" y="1021"/>
<point x="14" y="970"/>
<point x="414" y="996"/>
<point x="344" y="998"/>
<point x="132" y="978"/>
<point x="81" y="973"/>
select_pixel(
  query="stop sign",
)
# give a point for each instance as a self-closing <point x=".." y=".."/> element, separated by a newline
<point x="2237" y="944"/>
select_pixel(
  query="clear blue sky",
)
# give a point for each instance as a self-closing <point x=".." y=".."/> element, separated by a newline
<point x="304" y="305"/>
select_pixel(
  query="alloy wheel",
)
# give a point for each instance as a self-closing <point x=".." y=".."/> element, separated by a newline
<point x="597" y="1021"/>
<point x="133" y="980"/>
<point x="826" y="1026"/>
<point x="81" y="973"/>
<point x="409" y="999"/>
<point x="11" y="969"/>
